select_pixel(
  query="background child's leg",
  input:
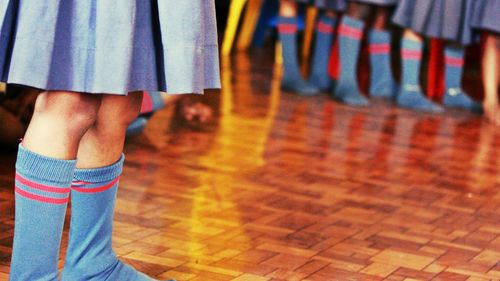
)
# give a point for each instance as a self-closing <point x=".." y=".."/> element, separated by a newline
<point x="90" y="255"/>
<point x="491" y="76"/>
<point x="410" y="93"/>
<point x="322" y="47"/>
<point x="287" y="28"/>
<point x="381" y="79"/>
<point x="454" y="63"/>
<point x="44" y="170"/>
<point x="350" y="35"/>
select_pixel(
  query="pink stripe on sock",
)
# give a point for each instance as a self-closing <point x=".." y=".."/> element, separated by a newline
<point x="287" y="28"/>
<point x="324" y="27"/>
<point x="95" y="189"/>
<point x="42" y="187"/>
<point x="382" y="48"/>
<point x="455" y="62"/>
<point x="41" y="198"/>
<point x="351" y="32"/>
<point x="411" y="54"/>
<point x="147" y="103"/>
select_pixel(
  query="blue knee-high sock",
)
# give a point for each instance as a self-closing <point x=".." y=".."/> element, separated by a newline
<point x="411" y="56"/>
<point x="381" y="81"/>
<point x="323" y="44"/>
<point x="90" y="255"/>
<point x="410" y="94"/>
<point x="455" y="96"/>
<point x="350" y="34"/>
<point x="292" y="79"/>
<point x="42" y="192"/>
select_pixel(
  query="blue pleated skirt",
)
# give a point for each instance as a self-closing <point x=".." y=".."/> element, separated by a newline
<point x="378" y="2"/>
<point x="445" y="19"/>
<point x="486" y="15"/>
<point x="334" y="5"/>
<point x="108" y="46"/>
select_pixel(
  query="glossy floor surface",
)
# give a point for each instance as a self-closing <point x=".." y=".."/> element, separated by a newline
<point x="284" y="187"/>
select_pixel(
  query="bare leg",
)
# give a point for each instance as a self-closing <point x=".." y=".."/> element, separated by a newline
<point x="103" y="143"/>
<point x="491" y="72"/>
<point x="380" y="20"/>
<point x="288" y="8"/>
<point x="44" y="168"/>
<point x="59" y="122"/>
<point x="359" y="11"/>
<point x="94" y="192"/>
<point x="412" y="35"/>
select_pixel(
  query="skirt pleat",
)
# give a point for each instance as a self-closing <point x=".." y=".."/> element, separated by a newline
<point x="100" y="46"/>
<point x="378" y="2"/>
<point x="334" y="5"/>
<point x="486" y="15"/>
<point x="444" y="19"/>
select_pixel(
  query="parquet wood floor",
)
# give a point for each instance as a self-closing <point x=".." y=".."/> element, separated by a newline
<point x="284" y="187"/>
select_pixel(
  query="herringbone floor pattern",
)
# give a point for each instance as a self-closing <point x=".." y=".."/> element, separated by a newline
<point x="284" y="187"/>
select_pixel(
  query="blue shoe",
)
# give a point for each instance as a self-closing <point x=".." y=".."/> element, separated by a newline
<point x="411" y="96"/>
<point x="350" y="94"/>
<point x="137" y="126"/>
<point x="299" y="86"/>
<point x="323" y="83"/>
<point x="456" y="98"/>
<point x="384" y="89"/>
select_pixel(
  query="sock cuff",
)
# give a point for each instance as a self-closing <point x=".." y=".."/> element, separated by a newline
<point x="102" y="174"/>
<point x="44" y="168"/>
<point x="454" y="52"/>
<point x="351" y="28"/>
<point x="379" y="36"/>
<point x="287" y="25"/>
<point x="352" y="22"/>
<point x="411" y="45"/>
<point x="325" y="24"/>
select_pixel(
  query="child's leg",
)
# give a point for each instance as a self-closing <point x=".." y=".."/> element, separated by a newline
<point x="455" y="96"/>
<point x="410" y="94"/>
<point x="381" y="79"/>
<point x="44" y="170"/>
<point x="491" y="74"/>
<point x="350" y="34"/>
<point x="90" y="255"/>
<point x="287" y="28"/>
<point x="322" y="47"/>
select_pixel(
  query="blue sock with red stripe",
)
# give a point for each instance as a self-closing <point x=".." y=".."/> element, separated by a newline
<point x="90" y="255"/>
<point x="381" y="81"/>
<point x="455" y="96"/>
<point x="42" y="193"/>
<point x="347" y="89"/>
<point x="292" y="79"/>
<point x="323" y="44"/>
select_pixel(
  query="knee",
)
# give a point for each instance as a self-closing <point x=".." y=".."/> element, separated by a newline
<point x="359" y="11"/>
<point x="117" y="112"/>
<point x="75" y="112"/>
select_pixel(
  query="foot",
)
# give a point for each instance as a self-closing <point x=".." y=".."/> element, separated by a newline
<point x="456" y="98"/>
<point x="411" y="96"/>
<point x="124" y="272"/>
<point x="349" y="93"/>
<point x="299" y="86"/>
<point x="492" y="111"/>
<point x="385" y="89"/>
<point x="323" y="83"/>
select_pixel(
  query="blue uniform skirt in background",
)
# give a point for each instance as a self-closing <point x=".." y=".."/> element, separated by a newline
<point x="378" y="2"/>
<point x="486" y="15"/>
<point x="334" y="5"/>
<point x="108" y="46"/>
<point x="445" y="19"/>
